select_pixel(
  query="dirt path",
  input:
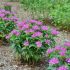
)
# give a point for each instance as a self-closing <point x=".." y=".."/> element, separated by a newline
<point x="6" y="58"/>
<point x="7" y="62"/>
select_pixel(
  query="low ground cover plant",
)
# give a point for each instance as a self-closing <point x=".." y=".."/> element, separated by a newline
<point x="7" y="22"/>
<point x="31" y="39"/>
<point x="59" y="57"/>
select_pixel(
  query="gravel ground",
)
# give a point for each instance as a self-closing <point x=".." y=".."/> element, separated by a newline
<point x="7" y="61"/>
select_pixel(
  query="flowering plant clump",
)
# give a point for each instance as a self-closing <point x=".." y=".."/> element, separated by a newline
<point x="7" y="22"/>
<point x="59" y="57"/>
<point x="31" y="39"/>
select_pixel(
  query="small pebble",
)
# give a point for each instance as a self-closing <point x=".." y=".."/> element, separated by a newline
<point x="1" y="64"/>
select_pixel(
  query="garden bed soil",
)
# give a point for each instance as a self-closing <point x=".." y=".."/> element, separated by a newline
<point x="8" y="62"/>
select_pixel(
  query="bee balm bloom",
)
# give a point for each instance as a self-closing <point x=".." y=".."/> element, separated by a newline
<point x="54" y="32"/>
<point x="35" y="27"/>
<point x="7" y="36"/>
<point x="26" y="43"/>
<point x="44" y="28"/>
<point x="15" y="32"/>
<point x="46" y="35"/>
<point x="67" y="44"/>
<point x="39" y="44"/>
<point x="68" y="60"/>
<point x="62" y="53"/>
<point x="29" y="31"/>
<point x="2" y="15"/>
<point x="36" y="34"/>
<point x="57" y="48"/>
<point x="20" y="25"/>
<point x="54" y="61"/>
<point x="39" y="23"/>
<point x="26" y="26"/>
<point x="33" y="21"/>
<point x="36" y="22"/>
<point x="63" y="49"/>
<point x="47" y="41"/>
<point x="50" y="50"/>
<point x="62" y="68"/>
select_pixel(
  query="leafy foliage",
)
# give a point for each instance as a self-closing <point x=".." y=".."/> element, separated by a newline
<point x="57" y="10"/>
<point x="31" y="39"/>
<point x="7" y="22"/>
<point x="59" y="58"/>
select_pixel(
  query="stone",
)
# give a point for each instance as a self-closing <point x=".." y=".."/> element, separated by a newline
<point x="1" y="64"/>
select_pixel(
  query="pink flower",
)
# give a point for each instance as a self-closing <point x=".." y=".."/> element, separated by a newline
<point x="14" y="18"/>
<point x="54" y="61"/>
<point x="35" y="27"/>
<point x="7" y="12"/>
<point x="46" y="35"/>
<point x="62" y="68"/>
<point x="67" y="44"/>
<point x="36" y="22"/>
<point x="54" y="32"/>
<point x="7" y="36"/>
<point x="29" y="31"/>
<point x="57" y="48"/>
<point x="44" y="28"/>
<point x="15" y="32"/>
<point x="62" y="53"/>
<point x="50" y="50"/>
<point x="68" y="60"/>
<point x="47" y="41"/>
<point x="36" y="34"/>
<point x="26" y="26"/>
<point x="2" y="15"/>
<point x="39" y="23"/>
<point x="6" y="19"/>
<point x="20" y="25"/>
<point x="39" y="44"/>
<point x="63" y="49"/>
<point x="33" y="21"/>
<point x="2" y="10"/>
<point x="26" y="43"/>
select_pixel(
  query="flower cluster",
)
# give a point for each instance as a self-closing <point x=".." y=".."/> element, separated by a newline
<point x="7" y="22"/>
<point x="32" y="38"/>
<point x="59" y="57"/>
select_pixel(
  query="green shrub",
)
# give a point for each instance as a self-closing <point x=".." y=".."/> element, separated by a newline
<point x="7" y="22"/>
<point x="31" y="40"/>
<point x="59" y="57"/>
